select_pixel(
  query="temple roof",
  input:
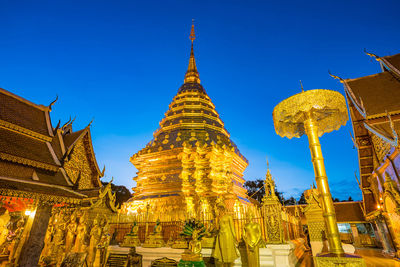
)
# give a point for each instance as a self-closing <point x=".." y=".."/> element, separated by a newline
<point x="376" y="93"/>
<point x="392" y="63"/>
<point x="374" y="105"/>
<point x="33" y="153"/>
<point x="23" y="113"/>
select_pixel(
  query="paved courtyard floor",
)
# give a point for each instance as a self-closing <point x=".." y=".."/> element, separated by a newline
<point x="372" y="257"/>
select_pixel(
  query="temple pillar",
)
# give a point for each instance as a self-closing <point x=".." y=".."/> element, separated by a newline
<point x="356" y="237"/>
<point x="383" y="233"/>
<point x="32" y="249"/>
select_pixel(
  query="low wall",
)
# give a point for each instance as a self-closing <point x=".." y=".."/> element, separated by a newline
<point x="280" y="255"/>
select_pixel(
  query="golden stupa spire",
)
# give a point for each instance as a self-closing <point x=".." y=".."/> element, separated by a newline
<point x="192" y="76"/>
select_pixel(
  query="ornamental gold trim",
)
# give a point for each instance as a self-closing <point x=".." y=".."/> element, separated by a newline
<point x="193" y="107"/>
<point x="192" y="125"/>
<point x="38" y="196"/>
<point x="18" y="129"/>
<point x="194" y="99"/>
<point x="24" y="161"/>
<point x="191" y="114"/>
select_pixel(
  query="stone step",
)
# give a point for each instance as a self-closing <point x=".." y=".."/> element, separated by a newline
<point x="117" y="260"/>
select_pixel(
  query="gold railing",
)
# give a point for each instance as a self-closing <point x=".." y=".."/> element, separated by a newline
<point x="172" y="229"/>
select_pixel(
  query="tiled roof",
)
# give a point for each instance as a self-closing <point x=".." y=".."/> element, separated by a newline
<point x="22" y="113"/>
<point x="349" y="211"/>
<point x="378" y="93"/>
<point x="393" y="62"/>
<point x="22" y="172"/>
<point x="70" y="138"/>
<point x="23" y="146"/>
<point x="31" y="158"/>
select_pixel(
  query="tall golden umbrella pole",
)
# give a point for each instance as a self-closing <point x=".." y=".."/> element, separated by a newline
<point x="314" y="113"/>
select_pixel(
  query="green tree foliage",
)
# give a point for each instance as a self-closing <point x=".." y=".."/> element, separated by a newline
<point x="256" y="190"/>
<point x="122" y="193"/>
<point x="302" y="199"/>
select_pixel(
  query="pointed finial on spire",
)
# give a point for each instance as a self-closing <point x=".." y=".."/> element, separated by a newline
<point x="192" y="36"/>
<point x="192" y="75"/>
<point x="267" y="163"/>
<point x="302" y="89"/>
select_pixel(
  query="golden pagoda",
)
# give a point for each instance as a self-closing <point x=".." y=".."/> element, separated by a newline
<point x="191" y="160"/>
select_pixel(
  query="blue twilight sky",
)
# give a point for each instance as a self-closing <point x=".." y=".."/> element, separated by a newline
<point x="121" y="63"/>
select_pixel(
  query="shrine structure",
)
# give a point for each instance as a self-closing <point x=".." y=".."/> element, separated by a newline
<point x="190" y="161"/>
<point x="46" y="174"/>
<point x="374" y="104"/>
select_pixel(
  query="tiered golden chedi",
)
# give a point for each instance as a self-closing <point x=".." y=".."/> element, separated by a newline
<point x="191" y="160"/>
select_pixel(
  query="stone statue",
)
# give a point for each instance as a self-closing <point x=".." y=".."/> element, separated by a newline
<point x="225" y="246"/>
<point x="71" y="233"/>
<point x="252" y="238"/>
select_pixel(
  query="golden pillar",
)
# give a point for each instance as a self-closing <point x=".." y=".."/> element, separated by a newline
<point x="311" y="129"/>
<point x="314" y="113"/>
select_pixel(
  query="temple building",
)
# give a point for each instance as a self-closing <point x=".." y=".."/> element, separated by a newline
<point x="374" y="103"/>
<point x="191" y="160"/>
<point x="44" y="170"/>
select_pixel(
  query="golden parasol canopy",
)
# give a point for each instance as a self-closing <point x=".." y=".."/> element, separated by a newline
<point x="326" y="107"/>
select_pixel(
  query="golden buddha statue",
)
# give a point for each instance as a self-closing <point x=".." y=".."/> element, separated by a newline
<point x="208" y="240"/>
<point x="131" y="239"/>
<point x="4" y="219"/>
<point x="71" y="233"/>
<point x="155" y="239"/>
<point x="48" y="238"/>
<point x="225" y="246"/>
<point x="57" y="248"/>
<point x="18" y="235"/>
<point x="252" y="238"/>
<point x="81" y="233"/>
<point x="95" y="236"/>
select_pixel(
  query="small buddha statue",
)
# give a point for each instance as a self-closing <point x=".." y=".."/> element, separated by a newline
<point x="156" y="238"/>
<point x="131" y="239"/>
<point x="252" y="239"/>
<point x="208" y="240"/>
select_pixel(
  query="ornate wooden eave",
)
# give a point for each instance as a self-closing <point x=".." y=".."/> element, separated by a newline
<point x="28" y="162"/>
<point x="39" y="191"/>
<point x="21" y="130"/>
